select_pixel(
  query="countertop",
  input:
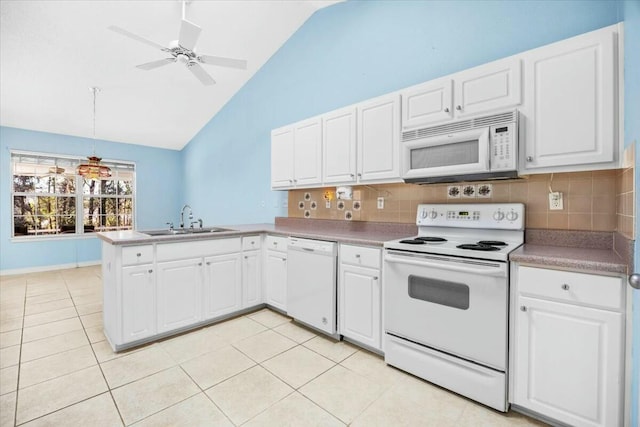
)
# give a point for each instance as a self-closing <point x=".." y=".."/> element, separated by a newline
<point x="359" y="237"/>
<point x="590" y="259"/>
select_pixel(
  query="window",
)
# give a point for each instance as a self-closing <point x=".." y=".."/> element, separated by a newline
<point x="49" y="198"/>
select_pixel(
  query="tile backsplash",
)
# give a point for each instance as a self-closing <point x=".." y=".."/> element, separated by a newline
<point x="594" y="200"/>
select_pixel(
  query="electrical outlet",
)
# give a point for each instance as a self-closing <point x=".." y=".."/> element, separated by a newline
<point x="380" y="202"/>
<point x="555" y="201"/>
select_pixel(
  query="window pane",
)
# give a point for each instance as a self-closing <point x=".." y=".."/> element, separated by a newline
<point x="125" y="221"/>
<point x="23" y="183"/>
<point x="90" y="186"/>
<point x="24" y="205"/>
<point x="125" y="206"/>
<point x="67" y="206"/>
<point x="45" y="184"/>
<point x="125" y="188"/>
<point x="107" y="187"/>
<point x="46" y="205"/>
<point x="65" y="184"/>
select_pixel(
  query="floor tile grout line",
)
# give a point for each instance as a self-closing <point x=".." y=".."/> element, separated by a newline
<point x="62" y="408"/>
<point x="15" y="410"/>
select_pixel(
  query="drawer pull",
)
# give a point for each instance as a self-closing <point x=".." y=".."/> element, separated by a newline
<point x="246" y="257"/>
<point x="150" y="271"/>
<point x="357" y="255"/>
<point x="375" y="277"/>
<point x="200" y="264"/>
<point x="523" y="308"/>
<point x="138" y="254"/>
<point x="208" y="262"/>
<point x="565" y="287"/>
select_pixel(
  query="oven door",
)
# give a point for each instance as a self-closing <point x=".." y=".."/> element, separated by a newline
<point x="455" y="305"/>
<point x="454" y="154"/>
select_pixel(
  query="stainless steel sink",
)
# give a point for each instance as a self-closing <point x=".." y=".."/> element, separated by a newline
<point x="182" y="231"/>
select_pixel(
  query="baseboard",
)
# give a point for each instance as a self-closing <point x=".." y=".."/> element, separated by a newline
<point x="14" y="271"/>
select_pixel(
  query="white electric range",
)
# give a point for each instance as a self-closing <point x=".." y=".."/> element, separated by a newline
<point x="447" y="297"/>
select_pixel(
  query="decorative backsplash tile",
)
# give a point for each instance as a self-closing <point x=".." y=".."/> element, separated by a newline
<point x="595" y="200"/>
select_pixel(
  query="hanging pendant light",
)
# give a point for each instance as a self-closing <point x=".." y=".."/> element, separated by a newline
<point x="93" y="169"/>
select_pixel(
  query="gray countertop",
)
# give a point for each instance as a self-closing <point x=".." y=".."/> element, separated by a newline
<point x="596" y="260"/>
<point x="358" y="237"/>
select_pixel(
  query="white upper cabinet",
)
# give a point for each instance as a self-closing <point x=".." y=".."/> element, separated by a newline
<point x="378" y="140"/>
<point x="570" y="104"/>
<point x="296" y="155"/>
<point x="489" y="87"/>
<point x="307" y="153"/>
<point x="339" y="146"/>
<point x="282" y="157"/>
<point x="430" y="102"/>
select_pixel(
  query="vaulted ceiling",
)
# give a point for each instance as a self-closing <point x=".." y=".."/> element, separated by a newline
<point x="52" y="52"/>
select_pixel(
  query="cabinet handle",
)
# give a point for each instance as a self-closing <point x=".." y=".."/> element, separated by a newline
<point x="208" y="262"/>
<point x="253" y="243"/>
<point x="284" y="259"/>
<point x="529" y="159"/>
<point x="565" y="287"/>
<point x="634" y="281"/>
<point x="523" y="308"/>
<point x="150" y="271"/>
<point x="138" y="254"/>
<point x="359" y="175"/>
<point x="275" y="243"/>
<point x="446" y="110"/>
<point x="357" y="255"/>
<point x="246" y="257"/>
<point x="375" y="277"/>
<point x="459" y="107"/>
<point x="200" y="264"/>
<point x="352" y="175"/>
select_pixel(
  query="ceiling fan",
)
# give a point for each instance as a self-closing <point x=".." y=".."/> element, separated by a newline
<point x="183" y="51"/>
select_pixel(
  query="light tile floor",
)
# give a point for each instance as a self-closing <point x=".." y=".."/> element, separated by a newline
<point x="261" y="369"/>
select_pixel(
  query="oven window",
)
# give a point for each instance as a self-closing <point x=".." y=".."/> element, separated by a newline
<point x="441" y="292"/>
<point x="459" y="153"/>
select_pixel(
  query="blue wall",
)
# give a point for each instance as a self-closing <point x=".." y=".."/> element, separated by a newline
<point x="631" y="11"/>
<point x="350" y="52"/>
<point x="158" y="194"/>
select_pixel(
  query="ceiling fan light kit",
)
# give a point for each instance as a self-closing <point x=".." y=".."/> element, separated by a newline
<point x="93" y="169"/>
<point x="183" y="51"/>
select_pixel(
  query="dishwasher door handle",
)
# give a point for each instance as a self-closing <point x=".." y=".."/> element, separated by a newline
<point x="309" y="249"/>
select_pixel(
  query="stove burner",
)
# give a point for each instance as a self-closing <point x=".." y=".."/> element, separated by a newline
<point x="477" y="247"/>
<point x="492" y="243"/>
<point x="413" y="242"/>
<point x="431" y="239"/>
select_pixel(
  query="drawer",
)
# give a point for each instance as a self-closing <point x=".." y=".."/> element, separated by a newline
<point x="197" y="248"/>
<point x="360" y="255"/>
<point x="251" y="242"/>
<point x="276" y="243"/>
<point x="569" y="286"/>
<point x="135" y="255"/>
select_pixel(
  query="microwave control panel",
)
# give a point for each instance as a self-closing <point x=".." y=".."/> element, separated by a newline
<point x="503" y="146"/>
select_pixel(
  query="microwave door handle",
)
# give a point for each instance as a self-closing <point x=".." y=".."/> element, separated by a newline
<point x="454" y="266"/>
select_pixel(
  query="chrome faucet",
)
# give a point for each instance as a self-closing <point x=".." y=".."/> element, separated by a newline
<point x="182" y="215"/>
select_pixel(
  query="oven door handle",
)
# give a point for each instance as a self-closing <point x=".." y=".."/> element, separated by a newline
<point x="454" y="265"/>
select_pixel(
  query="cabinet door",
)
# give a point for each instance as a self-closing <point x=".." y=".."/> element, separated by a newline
<point x="378" y="139"/>
<point x="276" y="279"/>
<point x="222" y="285"/>
<point x="251" y="275"/>
<point x="282" y="158"/>
<point x="427" y="103"/>
<point x="359" y="304"/>
<point x="339" y="146"/>
<point x="571" y="101"/>
<point x="179" y="293"/>
<point x="489" y="87"/>
<point x="568" y="362"/>
<point x="308" y="153"/>
<point x="138" y="303"/>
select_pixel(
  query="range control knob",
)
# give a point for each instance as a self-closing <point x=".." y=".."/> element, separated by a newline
<point x="512" y="216"/>
<point x="433" y="214"/>
<point x="424" y="213"/>
<point x="498" y="215"/>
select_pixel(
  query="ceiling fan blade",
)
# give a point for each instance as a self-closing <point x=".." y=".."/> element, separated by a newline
<point x="223" y="62"/>
<point x="155" y="64"/>
<point x="135" y="37"/>
<point x="201" y="74"/>
<point x="189" y="34"/>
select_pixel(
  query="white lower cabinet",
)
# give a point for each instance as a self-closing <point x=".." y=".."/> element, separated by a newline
<point x="251" y="279"/>
<point x="569" y="346"/>
<point x="359" y="295"/>
<point x="179" y="289"/>
<point x="138" y="309"/>
<point x="275" y="274"/>
<point x="222" y="285"/>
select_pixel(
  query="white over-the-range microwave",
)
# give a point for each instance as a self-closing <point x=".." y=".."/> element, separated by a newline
<point x="475" y="149"/>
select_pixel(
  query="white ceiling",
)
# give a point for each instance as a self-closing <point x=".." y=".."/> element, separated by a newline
<point x="51" y="52"/>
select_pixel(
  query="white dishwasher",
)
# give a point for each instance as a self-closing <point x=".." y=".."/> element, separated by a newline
<point x="311" y="283"/>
